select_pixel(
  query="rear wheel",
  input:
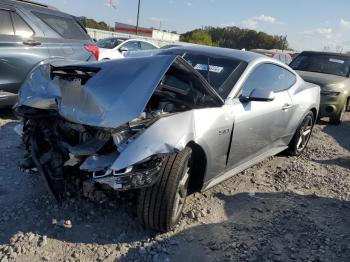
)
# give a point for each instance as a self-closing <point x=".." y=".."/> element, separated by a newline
<point x="160" y="206"/>
<point x="338" y="119"/>
<point x="302" y="135"/>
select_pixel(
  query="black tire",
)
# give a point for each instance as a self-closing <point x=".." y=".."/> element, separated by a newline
<point x="158" y="207"/>
<point x="338" y="119"/>
<point x="295" y="147"/>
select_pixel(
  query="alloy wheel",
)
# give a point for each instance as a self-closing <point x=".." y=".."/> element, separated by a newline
<point x="181" y="193"/>
<point x="305" y="133"/>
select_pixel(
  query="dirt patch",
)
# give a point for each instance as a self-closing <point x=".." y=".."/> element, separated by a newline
<point x="283" y="209"/>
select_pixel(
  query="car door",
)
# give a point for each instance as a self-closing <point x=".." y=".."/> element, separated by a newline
<point x="132" y="46"/>
<point x="261" y="126"/>
<point x="20" y="50"/>
<point x="147" y="46"/>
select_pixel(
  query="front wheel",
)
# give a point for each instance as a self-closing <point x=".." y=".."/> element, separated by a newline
<point x="159" y="207"/>
<point x="302" y="135"/>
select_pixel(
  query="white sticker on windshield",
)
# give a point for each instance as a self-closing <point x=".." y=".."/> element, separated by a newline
<point x="336" y="61"/>
<point x="214" y="69"/>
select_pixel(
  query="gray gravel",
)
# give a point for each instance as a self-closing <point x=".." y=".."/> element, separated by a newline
<point x="283" y="209"/>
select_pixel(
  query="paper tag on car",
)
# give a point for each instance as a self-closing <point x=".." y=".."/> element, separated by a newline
<point x="214" y="69"/>
<point x="336" y="61"/>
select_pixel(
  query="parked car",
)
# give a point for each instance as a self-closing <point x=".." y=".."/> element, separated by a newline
<point x="168" y="124"/>
<point x="331" y="72"/>
<point x="279" y="55"/>
<point x="115" y="47"/>
<point x="31" y="33"/>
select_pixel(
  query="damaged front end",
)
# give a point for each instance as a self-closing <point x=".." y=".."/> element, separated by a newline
<point x="104" y="121"/>
<point x="65" y="152"/>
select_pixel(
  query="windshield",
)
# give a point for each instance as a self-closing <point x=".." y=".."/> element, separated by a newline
<point x="109" y="43"/>
<point x="322" y="63"/>
<point x="216" y="71"/>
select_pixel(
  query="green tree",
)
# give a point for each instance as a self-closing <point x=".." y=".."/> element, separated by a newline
<point x="198" y="37"/>
<point x="91" y="23"/>
<point x="234" y="37"/>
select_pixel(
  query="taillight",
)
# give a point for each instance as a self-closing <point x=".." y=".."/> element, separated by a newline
<point x="94" y="50"/>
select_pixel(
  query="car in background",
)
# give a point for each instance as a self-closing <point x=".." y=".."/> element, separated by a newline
<point x="279" y="55"/>
<point x="331" y="72"/>
<point x="165" y="125"/>
<point x="115" y="47"/>
<point x="31" y="33"/>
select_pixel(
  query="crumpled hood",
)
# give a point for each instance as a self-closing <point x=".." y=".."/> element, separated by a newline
<point x="324" y="80"/>
<point x="114" y="95"/>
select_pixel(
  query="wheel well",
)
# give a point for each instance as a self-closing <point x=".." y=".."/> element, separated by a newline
<point x="314" y="111"/>
<point x="198" y="167"/>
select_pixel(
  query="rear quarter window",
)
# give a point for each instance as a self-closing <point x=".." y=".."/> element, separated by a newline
<point x="6" y="27"/>
<point x="67" y="27"/>
<point x="21" y="27"/>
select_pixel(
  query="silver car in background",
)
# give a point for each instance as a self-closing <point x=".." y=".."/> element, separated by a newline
<point x="168" y="124"/>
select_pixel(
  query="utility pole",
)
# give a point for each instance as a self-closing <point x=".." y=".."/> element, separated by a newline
<point x="138" y="16"/>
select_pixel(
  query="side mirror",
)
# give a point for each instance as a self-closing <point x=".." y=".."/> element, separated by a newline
<point x="259" y="94"/>
<point x="123" y="49"/>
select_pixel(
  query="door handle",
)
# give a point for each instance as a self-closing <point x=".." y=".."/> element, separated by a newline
<point x="31" y="42"/>
<point x="287" y="106"/>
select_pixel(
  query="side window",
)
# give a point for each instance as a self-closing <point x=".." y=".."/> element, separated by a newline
<point x="21" y="27"/>
<point x="6" y="27"/>
<point x="132" y="45"/>
<point x="67" y="27"/>
<point x="268" y="76"/>
<point x="147" y="46"/>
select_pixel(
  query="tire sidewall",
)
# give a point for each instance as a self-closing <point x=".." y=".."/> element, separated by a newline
<point x="173" y="218"/>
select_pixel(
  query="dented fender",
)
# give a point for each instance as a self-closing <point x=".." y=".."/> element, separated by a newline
<point x="168" y="135"/>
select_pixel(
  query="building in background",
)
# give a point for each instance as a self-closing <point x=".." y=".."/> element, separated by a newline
<point x="147" y="32"/>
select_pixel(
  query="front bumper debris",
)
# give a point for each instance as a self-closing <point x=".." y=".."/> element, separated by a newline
<point x="132" y="179"/>
<point x="67" y="154"/>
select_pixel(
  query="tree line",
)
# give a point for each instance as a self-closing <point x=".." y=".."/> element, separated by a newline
<point x="229" y="37"/>
<point x="235" y="37"/>
<point x="91" y="23"/>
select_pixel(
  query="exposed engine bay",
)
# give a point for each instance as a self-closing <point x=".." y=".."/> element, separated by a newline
<point x="64" y="151"/>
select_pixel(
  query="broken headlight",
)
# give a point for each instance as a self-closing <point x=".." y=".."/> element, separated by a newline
<point x="121" y="137"/>
<point x="142" y="174"/>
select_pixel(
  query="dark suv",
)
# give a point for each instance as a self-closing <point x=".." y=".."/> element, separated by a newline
<point x="30" y="33"/>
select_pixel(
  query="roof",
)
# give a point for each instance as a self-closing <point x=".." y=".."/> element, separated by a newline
<point x="272" y="51"/>
<point x="245" y="56"/>
<point x="326" y="53"/>
<point x="28" y="4"/>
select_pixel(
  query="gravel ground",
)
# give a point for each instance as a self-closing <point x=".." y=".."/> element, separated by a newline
<point x="283" y="209"/>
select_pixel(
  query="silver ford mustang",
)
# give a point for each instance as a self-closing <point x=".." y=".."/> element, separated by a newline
<point x="167" y="123"/>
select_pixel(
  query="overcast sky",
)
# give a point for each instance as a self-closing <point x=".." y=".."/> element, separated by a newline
<point x="309" y="24"/>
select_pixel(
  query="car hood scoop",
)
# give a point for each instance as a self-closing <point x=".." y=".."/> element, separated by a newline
<point x="104" y="94"/>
